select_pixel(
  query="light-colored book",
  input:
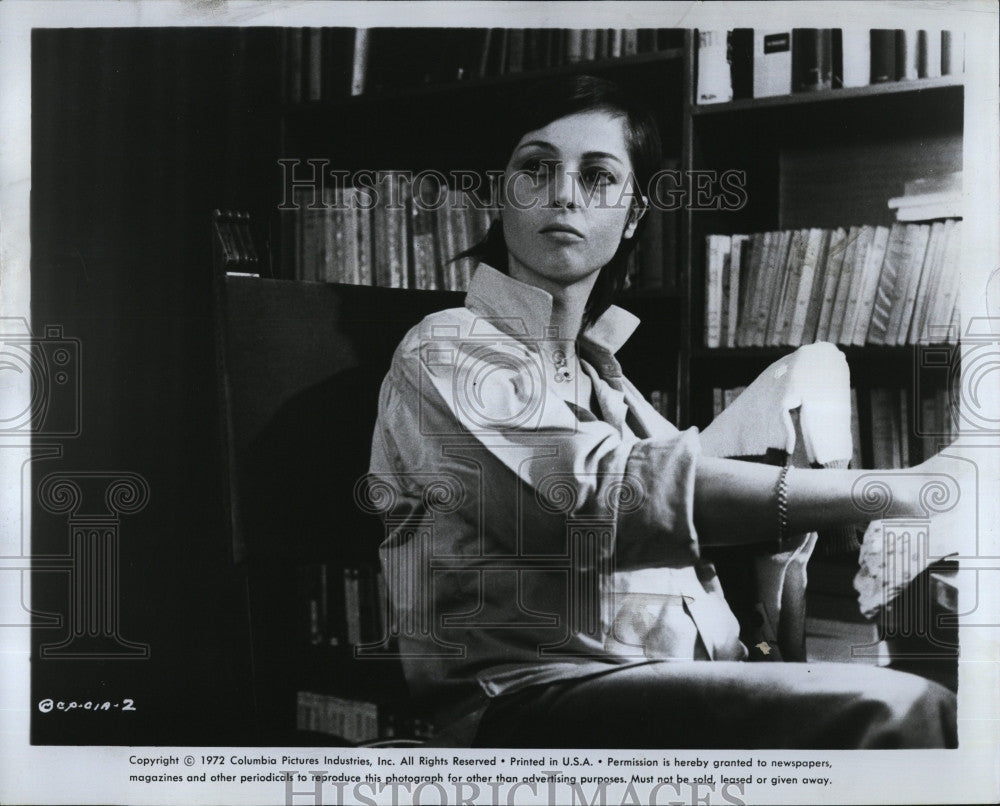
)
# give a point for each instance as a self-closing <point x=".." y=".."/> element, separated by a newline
<point x="779" y="325"/>
<point x="863" y="246"/>
<point x="932" y="261"/>
<point x="714" y="81"/>
<point x="716" y="252"/>
<point x="831" y="280"/>
<point x="847" y="275"/>
<point x="772" y="62"/>
<point x="806" y="314"/>
<point x="856" y="57"/>
<point x="918" y="236"/>
<point x="872" y="272"/>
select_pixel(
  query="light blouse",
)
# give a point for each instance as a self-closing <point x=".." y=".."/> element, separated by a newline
<point x="528" y="540"/>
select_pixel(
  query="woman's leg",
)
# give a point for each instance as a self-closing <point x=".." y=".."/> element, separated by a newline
<point x="728" y="705"/>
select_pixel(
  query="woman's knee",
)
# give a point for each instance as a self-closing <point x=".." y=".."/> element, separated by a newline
<point x="911" y="712"/>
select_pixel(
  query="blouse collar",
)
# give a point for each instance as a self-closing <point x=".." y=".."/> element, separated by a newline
<point x="525" y="311"/>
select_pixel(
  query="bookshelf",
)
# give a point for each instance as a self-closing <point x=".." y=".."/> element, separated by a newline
<point x="824" y="159"/>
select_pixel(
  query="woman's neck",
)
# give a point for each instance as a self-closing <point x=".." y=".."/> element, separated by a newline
<point x="568" y="304"/>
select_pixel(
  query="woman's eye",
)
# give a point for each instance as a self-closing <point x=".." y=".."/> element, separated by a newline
<point x="535" y="167"/>
<point x="598" y="176"/>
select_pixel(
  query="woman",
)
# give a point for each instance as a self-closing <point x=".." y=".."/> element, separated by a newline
<point x="544" y="522"/>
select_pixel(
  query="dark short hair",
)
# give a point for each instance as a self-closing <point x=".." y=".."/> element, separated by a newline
<point x="542" y="103"/>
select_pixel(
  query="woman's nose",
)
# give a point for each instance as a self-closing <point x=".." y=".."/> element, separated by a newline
<point x="564" y="188"/>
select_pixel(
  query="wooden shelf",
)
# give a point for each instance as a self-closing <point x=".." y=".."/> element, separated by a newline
<point x="892" y="88"/>
<point x="868" y="351"/>
<point x="671" y="55"/>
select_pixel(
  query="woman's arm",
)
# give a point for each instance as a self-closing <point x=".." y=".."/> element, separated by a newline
<point x="736" y="502"/>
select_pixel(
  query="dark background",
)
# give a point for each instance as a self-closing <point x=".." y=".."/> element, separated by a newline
<point x="136" y="136"/>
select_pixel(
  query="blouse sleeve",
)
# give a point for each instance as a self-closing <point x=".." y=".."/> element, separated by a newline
<point x="495" y="395"/>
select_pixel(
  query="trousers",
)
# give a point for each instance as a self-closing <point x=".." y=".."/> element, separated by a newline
<point x="727" y="705"/>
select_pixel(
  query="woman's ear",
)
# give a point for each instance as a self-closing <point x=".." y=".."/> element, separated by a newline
<point x="635" y="214"/>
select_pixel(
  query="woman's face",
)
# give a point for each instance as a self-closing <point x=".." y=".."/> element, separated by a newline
<point x="568" y="192"/>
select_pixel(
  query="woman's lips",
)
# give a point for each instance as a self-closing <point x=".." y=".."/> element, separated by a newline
<point x="562" y="232"/>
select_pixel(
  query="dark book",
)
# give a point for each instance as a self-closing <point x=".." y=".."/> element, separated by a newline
<point x="812" y="59"/>
<point x="293" y="61"/>
<point x="515" y="50"/>
<point x="338" y="55"/>
<point x="741" y="62"/>
<point x="883" y="55"/>
<point x="646" y="40"/>
<point x="496" y="54"/>
<point x="952" y="53"/>
<point x="907" y="47"/>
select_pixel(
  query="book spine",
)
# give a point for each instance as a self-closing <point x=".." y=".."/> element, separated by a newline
<point x="952" y="53"/>
<point x="772" y="63"/>
<point x="614" y="43"/>
<point x="763" y="294"/>
<point x="359" y="62"/>
<point x="873" y="272"/>
<point x="855" y="57"/>
<point x="797" y="306"/>
<point x="916" y="255"/>
<point x="814" y="307"/>
<point x="907" y="55"/>
<point x="831" y="281"/>
<point x="885" y="431"/>
<point x="515" y="50"/>
<point x="812" y="59"/>
<point x="352" y="605"/>
<point x="779" y="323"/>
<point x="630" y="41"/>
<point x="862" y="247"/>
<point x="887" y="288"/>
<point x="716" y="247"/>
<point x="741" y="62"/>
<point x="293" y="72"/>
<point x="748" y="292"/>
<point x="334" y="263"/>
<point x="739" y="246"/>
<point x="932" y="260"/>
<point x="856" y="462"/>
<point x="883" y="56"/>
<point x="574" y="45"/>
<point x="314" y="64"/>
<point x="349" y="228"/>
<point x="714" y="82"/>
<point x="928" y="54"/>
<point x="839" y="314"/>
<point x="366" y="256"/>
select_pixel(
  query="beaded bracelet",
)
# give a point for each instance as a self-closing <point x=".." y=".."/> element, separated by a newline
<point x="781" y="493"/>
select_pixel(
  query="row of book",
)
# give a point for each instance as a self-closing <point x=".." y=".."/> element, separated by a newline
<point x="400" y="236"/>
<point x="901" y="431"/>
<point x="342" y="606"/>
<point x="863" y="285"/>
<point x="357" y="721"/>
<point x="322" y="64"/>
<point x="759" y="63"/>
<point x="386" y="238"/>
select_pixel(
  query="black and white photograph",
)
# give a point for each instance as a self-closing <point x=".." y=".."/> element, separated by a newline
<point x="497" y="402"/>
